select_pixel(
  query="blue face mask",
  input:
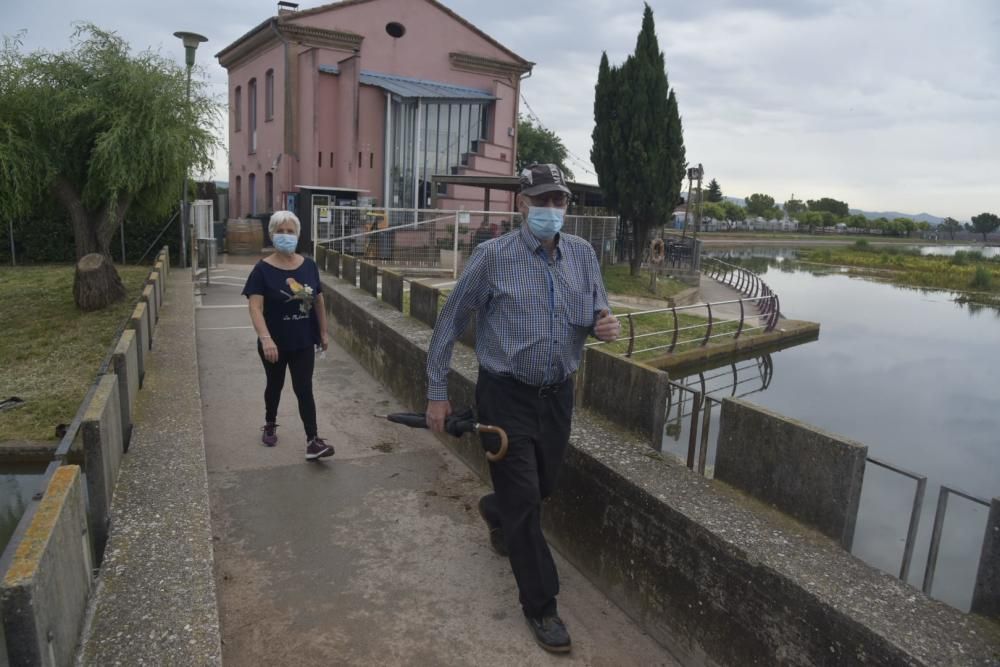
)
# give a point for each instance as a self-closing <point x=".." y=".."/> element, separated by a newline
<point x="545" y="221"/>
<point x="285" y="243"/>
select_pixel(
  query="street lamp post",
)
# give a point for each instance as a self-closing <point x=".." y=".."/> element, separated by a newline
<point x="191" y="41"/>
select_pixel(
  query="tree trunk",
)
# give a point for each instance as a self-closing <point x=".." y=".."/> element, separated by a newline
<point x="96" y="284"/>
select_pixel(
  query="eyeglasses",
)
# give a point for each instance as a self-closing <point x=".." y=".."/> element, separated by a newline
<point x="550" y="199"/>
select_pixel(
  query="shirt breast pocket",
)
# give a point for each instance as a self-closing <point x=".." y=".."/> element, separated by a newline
<point x="580" y="310"/>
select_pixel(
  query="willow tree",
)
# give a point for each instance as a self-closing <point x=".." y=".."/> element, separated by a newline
<point x="102" y="132"/>
<point x="638" y="148"/>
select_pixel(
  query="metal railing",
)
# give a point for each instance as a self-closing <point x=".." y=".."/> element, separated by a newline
<point x="746" y="322"/>
<point x="935" y="546"/>
<point x="742" y="280"/>
<point x="436" y="238"/>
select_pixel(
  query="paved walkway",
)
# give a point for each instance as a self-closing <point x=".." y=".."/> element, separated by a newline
<point x="376" y="556"/>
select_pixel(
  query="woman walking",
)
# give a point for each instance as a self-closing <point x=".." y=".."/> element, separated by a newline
<point x="286" y="309"/>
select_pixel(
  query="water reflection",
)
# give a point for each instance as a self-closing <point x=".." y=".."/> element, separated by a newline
<point x="17" y="484"/>
<point x="908" y="372"/>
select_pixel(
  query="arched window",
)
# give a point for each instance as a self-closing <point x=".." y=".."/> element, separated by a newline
<point x="268" y="192"/>
<point x="252" y="114"/>
<point x="238" y="109"/>
<point x="238" y="199"/>
<point x="252" y="203"/>
<point x="269" y="95"/>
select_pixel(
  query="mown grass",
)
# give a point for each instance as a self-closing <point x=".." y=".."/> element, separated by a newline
<point x="50" y="351"/>
<point x="619" y="280"/>
<point x="906" y="266"/>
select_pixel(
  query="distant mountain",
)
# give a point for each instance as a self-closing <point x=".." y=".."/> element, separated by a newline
<point x="919" y="217"/>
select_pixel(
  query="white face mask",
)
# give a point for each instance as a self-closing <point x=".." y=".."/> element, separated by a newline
<point x="285" y="243"/>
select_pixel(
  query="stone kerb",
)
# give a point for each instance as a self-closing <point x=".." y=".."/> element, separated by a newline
<point x="369" y="278"/>
<point x="164" y="256"/>
<point x="349" y="269"/>
<point x="986" y="594"/>
<point x="627" y="393"/>
<point x="333" y="263"/>
<point x="102" y="455"/>
<point x="152" y="314"/>
<point x="392" y="289"/>
<point x="424" y="302"/>
<point x="807" y="473"/>
<point x="44" y="596"/>
<point x="125" y="363"/>
<point x="139" y="323"/>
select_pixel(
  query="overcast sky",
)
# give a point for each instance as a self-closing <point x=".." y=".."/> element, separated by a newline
<point x="887" y="104"/>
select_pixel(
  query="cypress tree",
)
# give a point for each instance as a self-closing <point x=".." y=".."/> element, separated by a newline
<point x="638" y="139"/>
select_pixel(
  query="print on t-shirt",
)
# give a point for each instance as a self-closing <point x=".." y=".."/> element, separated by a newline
<point x="301" y="293"/>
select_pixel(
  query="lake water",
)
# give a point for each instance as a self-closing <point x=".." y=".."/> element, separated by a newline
<point x="911" y="374"/>
<point x="17" y="484"/>
<point x="949" y="250"/>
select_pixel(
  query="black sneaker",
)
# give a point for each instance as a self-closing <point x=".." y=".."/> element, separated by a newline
<point x="550" y="633"/>
<point x="496" y="532"/>
<point x="318" y="449"/>
<point x="270" y="437"/>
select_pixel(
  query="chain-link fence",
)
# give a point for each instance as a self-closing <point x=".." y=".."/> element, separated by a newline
<point x="433" y="238"/>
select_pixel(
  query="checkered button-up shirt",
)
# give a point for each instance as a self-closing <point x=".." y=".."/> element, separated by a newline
<point x="534" y="311"/>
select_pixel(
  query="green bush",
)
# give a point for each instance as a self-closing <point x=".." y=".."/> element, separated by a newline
<point x="862" y="245"/>
<point x="960" y="258"/>
<point x="982" y="279"/>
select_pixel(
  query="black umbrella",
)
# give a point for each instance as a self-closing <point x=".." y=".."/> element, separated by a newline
<point x="456" y="424"/>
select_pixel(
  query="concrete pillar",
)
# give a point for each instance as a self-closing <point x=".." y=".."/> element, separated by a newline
<point x="102" y="455"/>
<point x="986" y="594"/>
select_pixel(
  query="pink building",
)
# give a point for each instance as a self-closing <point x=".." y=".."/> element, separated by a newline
<point x="368" y="99"/>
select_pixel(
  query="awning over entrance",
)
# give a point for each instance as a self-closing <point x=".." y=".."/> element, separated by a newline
<point x="409" y="88"/>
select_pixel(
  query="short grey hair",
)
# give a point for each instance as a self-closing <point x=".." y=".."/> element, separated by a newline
<point x="284" y="216"/>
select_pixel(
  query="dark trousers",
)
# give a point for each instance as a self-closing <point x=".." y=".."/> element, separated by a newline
<point x="300" y="364"/>
<point x="537" y="425"/>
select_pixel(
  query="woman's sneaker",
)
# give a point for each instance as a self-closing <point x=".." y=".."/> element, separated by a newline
<point x="270" y="436"/>
<point x="318" y="449"/>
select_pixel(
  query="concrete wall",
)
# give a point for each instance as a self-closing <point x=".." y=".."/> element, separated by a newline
<point x="45" y="588"/>
<point x="125" y="364"/>
<point x="152" y="315"/>
<point x="424" y="302"/>
<point x="103" y="449"/>
<point x="349" y="269"/>
<point x="392" y="289"/>
<point x="139" y="323"/>
<point x="715" y="578"/>
<point x="369" y="278"/>
<point x="807" y="473"/>
<point x="986" y="595"/>
<point x="321" y="254"/>
<point x="154" y="280"/>
<point x="627" y="393"/>
<point x="333" y="262"/>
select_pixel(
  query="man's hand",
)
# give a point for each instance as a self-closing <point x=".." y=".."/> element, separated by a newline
<point x="437" y="412"/>
<point x="607" y="327"/>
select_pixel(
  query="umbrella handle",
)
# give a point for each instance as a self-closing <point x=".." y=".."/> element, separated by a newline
<point x="502" y="452"/>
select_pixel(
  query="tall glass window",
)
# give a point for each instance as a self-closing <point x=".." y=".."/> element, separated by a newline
<point x="238" y="109"/>
<point x="252" y="183"/>
<point x="269" y="95"/>
<point x="429" y="139"/>
<point x="252" y="114"/>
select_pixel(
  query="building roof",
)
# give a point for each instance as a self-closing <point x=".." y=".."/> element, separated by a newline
<point x="508" y="183"/>
<point x="420" y="88"/>
<point x="346" y="3"/>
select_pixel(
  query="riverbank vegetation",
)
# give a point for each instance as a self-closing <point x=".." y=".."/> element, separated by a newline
<point x="50" y="351"/>
<point x="965" y="271"/>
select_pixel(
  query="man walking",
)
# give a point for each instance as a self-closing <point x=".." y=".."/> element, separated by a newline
<point x="538" y="294"/>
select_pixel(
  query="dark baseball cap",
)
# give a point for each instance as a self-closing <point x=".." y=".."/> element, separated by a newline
<point x="540" y="178"/>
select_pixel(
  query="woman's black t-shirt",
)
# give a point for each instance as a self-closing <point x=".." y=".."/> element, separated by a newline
<point x="289" y="297"/>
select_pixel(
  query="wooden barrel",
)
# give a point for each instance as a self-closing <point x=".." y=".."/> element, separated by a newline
<point x="244" y="237"/>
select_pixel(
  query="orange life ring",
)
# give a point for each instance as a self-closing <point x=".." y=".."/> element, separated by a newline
<point x="656" y="251"/>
